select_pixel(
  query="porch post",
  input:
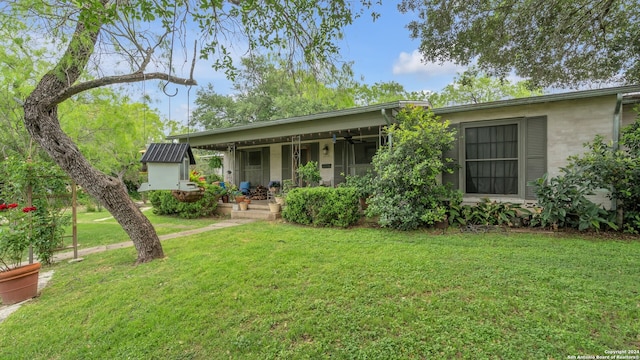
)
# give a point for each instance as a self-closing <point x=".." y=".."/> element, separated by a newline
<point x="295" y="159"/>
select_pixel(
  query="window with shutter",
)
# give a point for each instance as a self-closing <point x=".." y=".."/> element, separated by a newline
<point x="499" y="157"/>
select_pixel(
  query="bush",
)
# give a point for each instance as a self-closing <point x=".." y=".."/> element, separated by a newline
<point x="487" y="212"/>
<point x="564" y="202"/>
<point x="617" y="170"/>
<point x="165" y="204"/>
<point x="321" y="206"/>
<point x="407" y="192"/>
<point x="310" y="173"/>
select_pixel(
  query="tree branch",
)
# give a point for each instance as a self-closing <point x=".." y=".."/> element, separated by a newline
<point x="119" y="79"/>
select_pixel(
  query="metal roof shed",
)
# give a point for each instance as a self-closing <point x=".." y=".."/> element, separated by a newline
<point x="168" y="167"/>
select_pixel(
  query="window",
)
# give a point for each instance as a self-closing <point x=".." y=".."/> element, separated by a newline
<point x="491" y="159"/>
<point x="498" y="157"/>
<point x="255" y="158"/>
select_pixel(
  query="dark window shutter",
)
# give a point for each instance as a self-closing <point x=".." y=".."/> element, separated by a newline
<point x="286" y="162"/>
<point x="266" y="167"/>
<point x="338" y="158"/>
<point x="453" y="153"/>
<point x="536" y="152"/>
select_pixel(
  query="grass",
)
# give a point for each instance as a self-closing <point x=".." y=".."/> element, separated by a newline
<point x="264" y="290"/>
<point x="100" y="228"/>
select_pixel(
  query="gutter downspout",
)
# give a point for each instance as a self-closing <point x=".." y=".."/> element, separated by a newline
<point x="616" y="147"/>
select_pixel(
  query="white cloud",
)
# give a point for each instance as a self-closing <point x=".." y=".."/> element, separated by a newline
<point x="412" y="64"/>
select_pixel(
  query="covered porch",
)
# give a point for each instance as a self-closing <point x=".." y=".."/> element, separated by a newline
<point x="342" y="142"/>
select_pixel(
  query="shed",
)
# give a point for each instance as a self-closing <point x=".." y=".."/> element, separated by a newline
<point x="168" y="167"/>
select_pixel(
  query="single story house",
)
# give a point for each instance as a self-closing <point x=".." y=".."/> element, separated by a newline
<point x="501" y="145"/>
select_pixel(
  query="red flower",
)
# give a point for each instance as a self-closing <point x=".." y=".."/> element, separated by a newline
<point x="29" y="209"/>
<point x="12" y="206"/>
<point x="3" y="206"/>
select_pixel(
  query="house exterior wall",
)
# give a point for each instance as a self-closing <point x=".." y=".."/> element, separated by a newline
<point x="275" y="169"/>
<point x="326" y="171"/>
<point x="570" y="124"/>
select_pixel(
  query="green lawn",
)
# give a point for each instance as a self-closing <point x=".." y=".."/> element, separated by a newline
<point x="265" y="290"/>
<point x="100" y="228"/>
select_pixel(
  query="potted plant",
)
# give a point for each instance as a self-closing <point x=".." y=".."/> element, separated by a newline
<point x="274" y="206"/>
<point x="274" y="186"/>
<point x="17" y="282"/>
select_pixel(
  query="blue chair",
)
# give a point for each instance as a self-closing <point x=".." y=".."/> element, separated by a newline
<point x="245" y="187"/>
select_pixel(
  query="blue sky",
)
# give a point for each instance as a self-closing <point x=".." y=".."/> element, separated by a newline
<point x="381" y="51"/>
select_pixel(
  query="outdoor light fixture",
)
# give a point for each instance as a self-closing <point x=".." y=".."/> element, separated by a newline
<point x="325" y="150"/>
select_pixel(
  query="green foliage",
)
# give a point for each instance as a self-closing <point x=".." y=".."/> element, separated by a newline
<point x="487" y="212"/>
<point x="322" y="206"/>
<point x="564" y="198"/>
<point x="474" y="86"/>
<point x="564" y="202"/>
<point x="47" y="186"/>
<point x="310" y="173"/>
<point x="407" y="192"/>
<point x="166" y="204"/>
<point x="363" y="184"/>
<point x="110" y="131"/>
<point x="617" y="170"/>
<point x="549" y="42"/>
<point x="267" y="88"/>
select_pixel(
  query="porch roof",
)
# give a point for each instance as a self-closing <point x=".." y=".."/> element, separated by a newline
<point x="364" y="120"/>
<point x="358" y="121"/>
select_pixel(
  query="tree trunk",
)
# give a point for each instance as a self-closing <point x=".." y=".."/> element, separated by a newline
<point x="110" y="191"/>
<point x="41" y="120"/>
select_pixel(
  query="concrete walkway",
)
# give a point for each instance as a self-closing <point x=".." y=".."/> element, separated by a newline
<point x="44" y="277"/>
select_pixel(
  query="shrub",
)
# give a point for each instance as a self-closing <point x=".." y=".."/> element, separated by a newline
<point x="407" y="192"/>
<point x="617" y="170"/>
<point x="487" y="212"/>
<point x="322" y="206"/>
<point x="310" y="173"/>
<point x="165" y="204"/>
<point x="46" y="185"/>
<point x="363" y="184"/>
<point x="564" y="202"/>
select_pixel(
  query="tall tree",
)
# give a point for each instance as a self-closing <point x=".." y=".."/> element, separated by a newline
<point x="99" y="35"/>
<point x="267" y="88"/>
<point x="381" y="92"/>
<point x="473" y="86"/>
<point x="551" y="42"/>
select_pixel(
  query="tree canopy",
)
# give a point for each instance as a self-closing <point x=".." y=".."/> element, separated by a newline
<point x="267" y="88"/>
<point x="551" y="42"/>
<point x="473" y="86"/>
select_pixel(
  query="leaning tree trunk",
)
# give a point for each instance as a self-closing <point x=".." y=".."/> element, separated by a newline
<point x="41" y="120"/>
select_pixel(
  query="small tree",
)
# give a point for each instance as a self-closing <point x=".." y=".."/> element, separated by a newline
<point x="407" y="192"/>
<point x="309" y="173"/>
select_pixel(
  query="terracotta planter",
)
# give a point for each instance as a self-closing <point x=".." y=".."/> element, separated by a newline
<point x="19" y="284"/>
<point x="274" y="207"/>
<point x="243" y="206"/>
<point x="240" y="199"/>
<point x="279" y="200"/>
